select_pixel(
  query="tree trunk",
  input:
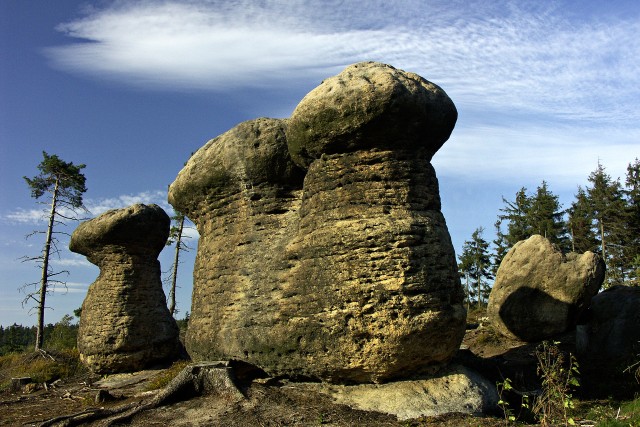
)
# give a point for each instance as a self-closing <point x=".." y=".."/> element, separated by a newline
<point x="174" y="278"/>
<point x="44" y="281"/>
<point x="468" y="292"/>
<point x="603" y="247"/>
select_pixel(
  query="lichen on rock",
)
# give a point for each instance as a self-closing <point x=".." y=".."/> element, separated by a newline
<point x="125" y="324"/>
<point x="540" y="292"/>
<point x="323" y="251"/>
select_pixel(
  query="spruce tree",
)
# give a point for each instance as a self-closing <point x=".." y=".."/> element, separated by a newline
<point x="500" y="248"/>
<point x="546" y="217"/>
<point x="632" y="250"/>
<point x="515" y="213"/>
<point x="610" y="214"/>
<point x="475" y="265"/>
<point x="64" y="185"/>
<point x="527" y="215"/>
<point x="581" y="223"/>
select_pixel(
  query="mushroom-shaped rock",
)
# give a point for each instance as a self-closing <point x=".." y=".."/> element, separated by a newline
<point x="348" y="275"/>
<point x="125" y="324"/>
<point x="539" y="292"/>
<point x="370" y="105"/>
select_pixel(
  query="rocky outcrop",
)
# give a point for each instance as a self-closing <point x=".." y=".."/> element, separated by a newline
<point x="323" y="251"/>
<point x="540" y="292"/>
<point x="610" y="339"/>
<point x="454" y="390"/>
<point x="125" y="324"/>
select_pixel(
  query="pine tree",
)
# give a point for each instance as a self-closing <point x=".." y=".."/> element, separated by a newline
<point x="540" y="213"/>
<point x="176" y="237"/>
<point x="632" y="249"/>
<point x="516" y="215"/>
<point x="64" y="184"/>
<point x="581" y="223"/>
<point x="610" y="214"/>
<point x="475" y="266"/>
<point x="546" y="217"/>
<point x="500" y="248"/>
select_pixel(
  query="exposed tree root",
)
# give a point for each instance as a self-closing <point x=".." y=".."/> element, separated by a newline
<point x="194" y="380"/>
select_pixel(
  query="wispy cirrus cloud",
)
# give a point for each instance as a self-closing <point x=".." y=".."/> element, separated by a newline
<point x="94" y="207"/>
<point x="158" y="197"/>
<point x="503" y="55"/>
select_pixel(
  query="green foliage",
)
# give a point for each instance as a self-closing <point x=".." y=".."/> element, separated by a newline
<point x="603" y="218"/>
<point x="56" y="173"/>
<point x="65" y="184"/>
<point x="177" y="238"/>
<point x="559" y="374"/>
<point x="620" y="415"/>
<point x="475" y="268"/>
<point x="59" y="337"/>
<point x="529" y="214"/>
<point x="63" y="335"/>
<point x="183" y="324"/>
<point x="39" y="366"/>
<point x="581" y="219"/>
<point x="610" y="212"/>
<point x="503" y="387"/>
<point x="165" y="378"/>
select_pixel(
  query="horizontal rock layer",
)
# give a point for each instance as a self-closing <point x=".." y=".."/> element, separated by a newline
<point x="339" y="266"/>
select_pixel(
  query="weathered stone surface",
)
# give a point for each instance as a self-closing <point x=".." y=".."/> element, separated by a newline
<point x="347" y="276"/>
<point x="454" y="390"/>
<point x="125" y="324"/>
<point x="370" y="105"/>
<point x="610" y="338"/>
<point x="540" y="292"/>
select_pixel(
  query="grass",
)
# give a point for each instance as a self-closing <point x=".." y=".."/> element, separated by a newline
<point x="614" y="414"/>
<point x="40" y="367"/>
<point x="165" y="378"/>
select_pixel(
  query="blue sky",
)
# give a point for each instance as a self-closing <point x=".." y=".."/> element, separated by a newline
<point x="544" y="90"/>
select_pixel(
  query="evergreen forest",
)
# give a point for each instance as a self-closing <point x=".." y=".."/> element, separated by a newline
<point x="604" y="218"/>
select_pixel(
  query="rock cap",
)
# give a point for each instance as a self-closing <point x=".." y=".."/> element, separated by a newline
<point x="370" y="105"/>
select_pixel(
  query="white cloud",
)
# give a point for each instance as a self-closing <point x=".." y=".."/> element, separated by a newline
<point x="503" y="55"/>
<point x="74" y="261"/>
<point x="564" y="157"/>
<point x="25" y="216"/>
<point x="158" y="197"/>
<point x="73" y="288"/>
<point x="94" y="206"/>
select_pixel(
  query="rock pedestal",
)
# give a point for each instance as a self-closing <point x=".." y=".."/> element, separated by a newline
<point x="125" y="324"/>
<point x="323" y="252"/>
<point x="540" y="292"/>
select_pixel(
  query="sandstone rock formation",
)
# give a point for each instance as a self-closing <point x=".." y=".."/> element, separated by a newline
<point x="610" y="339"/>
<point x="540" y="292"/>
<point x="125" y="324"/>
<point x="454" y="390"/>
<point x="323" y="251"/>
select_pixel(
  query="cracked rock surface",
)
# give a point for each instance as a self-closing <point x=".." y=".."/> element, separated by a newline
<point x="125" y="324"/>
<point x="323" y="250"/>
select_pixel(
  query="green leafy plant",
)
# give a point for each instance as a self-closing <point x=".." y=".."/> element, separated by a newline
<point x="559" y="374"/>
<point x="504" y="386"/>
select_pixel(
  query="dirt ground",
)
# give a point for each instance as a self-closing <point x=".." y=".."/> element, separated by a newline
<point x="266" y="402"/>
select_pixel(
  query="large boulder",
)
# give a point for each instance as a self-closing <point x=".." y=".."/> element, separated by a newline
<point x="323" y="250"/>
<point x="456" y="389"/>
<point x="125" y="323"/>
<point x="371" y="105"/>
<point x="540" y="292"/>
<point x="610" y="337"/>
